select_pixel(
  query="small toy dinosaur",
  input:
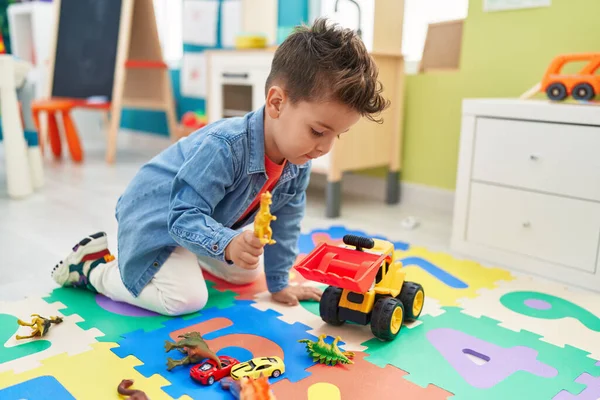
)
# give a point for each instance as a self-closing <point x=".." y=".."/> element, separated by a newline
<point x="262" y="221"/>
<point x="248" y="388"/>
<point x="195" y="349"/>
<point x="134" y="394"/>
<point x="325" y="353"/>
<point x="40" y="325"/>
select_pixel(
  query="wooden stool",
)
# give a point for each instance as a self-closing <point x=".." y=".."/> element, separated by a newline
<point x="64" y="106"/>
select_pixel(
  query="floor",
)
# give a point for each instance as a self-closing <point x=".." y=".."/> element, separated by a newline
<point x="484" y="332"/>
<point x="80" y="199"/>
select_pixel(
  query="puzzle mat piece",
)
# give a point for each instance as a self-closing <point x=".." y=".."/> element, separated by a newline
<point x="114" y="319"/>
<point x="591" y="392"/>
<point x="560" y="315"/>
<point x="247" y="292"/>
<point x="307" y="313"/>
<point x="446" y="278"/>
<point x="435" y="352"/>
<point x="323" y="390"/>
<point x="92" y="375"/>
<point x="43" y="387"/>
<point x="259" y="332"/>
<point x="361" y="380"/>
<point x="334" y="235"/>
<point x="25" y="354"/>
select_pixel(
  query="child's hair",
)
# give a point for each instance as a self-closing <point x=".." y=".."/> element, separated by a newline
<point x="326" y="62"/>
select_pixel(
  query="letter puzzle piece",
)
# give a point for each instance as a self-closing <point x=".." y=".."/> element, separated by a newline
<point x="447" y="351"/>
<point x="446" y="278"/>
<point x="560" y="315"/>
<point x="361" y="380"/>
<point x="245" y="329"/>
<point x="114" y="319"/>
<point x="22" y="355"/>
<point x="591" y="392"/>
<point x="94" y="374"/>
<point x="42" y="387"/>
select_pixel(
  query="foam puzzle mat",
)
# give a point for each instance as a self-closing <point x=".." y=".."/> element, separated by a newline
<point x="484" y="333"/>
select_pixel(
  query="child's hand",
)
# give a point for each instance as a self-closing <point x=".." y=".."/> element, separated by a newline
<point x="292" y="295"/>
<point x="244" y="250"/>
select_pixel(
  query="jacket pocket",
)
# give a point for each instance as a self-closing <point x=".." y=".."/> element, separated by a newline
<point x="280" y="200"/>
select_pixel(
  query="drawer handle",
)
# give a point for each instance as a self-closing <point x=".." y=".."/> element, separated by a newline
<point x="534" y="157"/>
<point x="231" y="75"/>
<point x="526" y="224"/>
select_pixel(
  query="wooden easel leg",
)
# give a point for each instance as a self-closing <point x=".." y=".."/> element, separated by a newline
<point x="113" y="130"/>
<point x="170" y="107"/>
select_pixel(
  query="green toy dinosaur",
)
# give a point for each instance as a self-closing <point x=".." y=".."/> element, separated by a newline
<point x="195" y="349"/>
<point x="325" y="353"/>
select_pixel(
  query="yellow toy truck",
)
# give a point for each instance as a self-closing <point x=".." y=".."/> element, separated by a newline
<point x="366" y="285"/>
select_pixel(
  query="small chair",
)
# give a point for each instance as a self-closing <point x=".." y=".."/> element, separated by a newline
<point x="52" y="107"/>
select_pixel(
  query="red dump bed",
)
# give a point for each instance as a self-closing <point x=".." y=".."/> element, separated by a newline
<point x="346" y="268"/>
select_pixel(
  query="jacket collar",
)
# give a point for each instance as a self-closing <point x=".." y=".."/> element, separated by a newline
<point x="256" y="146"/>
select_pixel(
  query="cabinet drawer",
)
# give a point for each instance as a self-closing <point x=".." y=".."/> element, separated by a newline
<point x="555" y="158"/>
<point x="552" y="228"/>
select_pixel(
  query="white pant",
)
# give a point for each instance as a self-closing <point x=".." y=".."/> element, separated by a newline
<point x="177" y="288"/>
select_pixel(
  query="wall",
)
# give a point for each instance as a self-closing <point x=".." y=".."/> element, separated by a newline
<point x="503" y="55"/>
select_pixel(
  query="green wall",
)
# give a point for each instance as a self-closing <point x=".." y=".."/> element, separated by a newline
<point x="503" y="55"/>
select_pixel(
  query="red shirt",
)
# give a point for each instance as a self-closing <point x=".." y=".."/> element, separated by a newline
<point x="273" y="173"/>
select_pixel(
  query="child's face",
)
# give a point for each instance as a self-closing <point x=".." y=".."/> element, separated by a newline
<point x="308" y="130"/>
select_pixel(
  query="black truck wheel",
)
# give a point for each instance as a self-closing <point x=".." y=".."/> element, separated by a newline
<point x="412" y="297"/>
<point x="387" y="318"/>
<point x="329" y="306"/>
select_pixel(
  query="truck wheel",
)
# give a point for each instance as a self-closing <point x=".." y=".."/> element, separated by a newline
<point x="583" y="91"/>
<point x="556" y="91"/>
<point x="360" y="242"/>
<point x="329" y="306"/>
<point x="387" y="318"/>
<point x="412" y="297"/>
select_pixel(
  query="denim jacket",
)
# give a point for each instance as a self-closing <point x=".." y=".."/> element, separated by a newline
<point x="192" y="195"/>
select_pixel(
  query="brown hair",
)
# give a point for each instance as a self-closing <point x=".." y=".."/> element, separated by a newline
<point x="327" y="62"/>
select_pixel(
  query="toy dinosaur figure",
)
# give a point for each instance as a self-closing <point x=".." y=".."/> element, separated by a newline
<point x="248" y="388"/>
<point x="262" y="221"/>
<point x="40" y="325"/>
<point x="195" y="349"/>
<point x="325" y="353"/>
<point x="133" y="394"/>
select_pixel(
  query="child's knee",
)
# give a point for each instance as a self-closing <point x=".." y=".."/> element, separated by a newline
<point x="185" y="304"/>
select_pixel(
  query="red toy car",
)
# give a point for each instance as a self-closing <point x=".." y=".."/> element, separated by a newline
<point x="207" y="372"/>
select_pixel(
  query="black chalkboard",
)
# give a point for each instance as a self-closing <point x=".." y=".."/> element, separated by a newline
<point x="86" y="48"/>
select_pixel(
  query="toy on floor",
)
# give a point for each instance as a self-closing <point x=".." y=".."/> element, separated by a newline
<point x="262" y="221"/>
<point x="366" y="287"/>
<point x="134" y="394"/>
<point x="325" y="353"/>
<point x="259" y="366"/>
<point x="195" y="349"/>
<point x="40" y="325"/>
<point x="248" y="388"/>
<point x="207" y="372"/>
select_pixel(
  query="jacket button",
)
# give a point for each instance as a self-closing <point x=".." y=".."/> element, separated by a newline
<point x="155" y="264"/>
<point x="215" y="247"/>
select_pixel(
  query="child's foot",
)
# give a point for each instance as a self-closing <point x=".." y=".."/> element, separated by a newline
<point x="75" y="270"/>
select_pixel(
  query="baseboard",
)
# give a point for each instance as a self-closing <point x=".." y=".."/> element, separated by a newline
<point x="375" y="188"/>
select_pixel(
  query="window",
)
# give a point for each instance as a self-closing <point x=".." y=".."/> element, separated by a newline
<point x="417" y="15"/>
<point x="168" y="20"/>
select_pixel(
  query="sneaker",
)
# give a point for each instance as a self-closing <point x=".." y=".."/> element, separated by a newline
<point x="74" y="271"/>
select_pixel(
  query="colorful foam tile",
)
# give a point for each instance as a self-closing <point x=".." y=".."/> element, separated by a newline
<point x="21" y="355"/>
<point x="91" y="375"/>
<point x="114" y="319"/>
<point x="476" y="358"/>
<point x="42" y="387"/>
<point x="361" y="380"/>
<point x="447" y="278"/>
<point x="562" y="316"/>
<point x="590" y="392"/>
<point x="239" y="331"/>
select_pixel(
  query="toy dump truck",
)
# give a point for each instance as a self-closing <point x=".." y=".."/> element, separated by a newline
<point x="366" y="285"/>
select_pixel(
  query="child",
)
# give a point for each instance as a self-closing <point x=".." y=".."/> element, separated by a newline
<point x="185" y="209"/>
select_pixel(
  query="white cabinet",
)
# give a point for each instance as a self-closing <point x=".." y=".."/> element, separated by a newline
<point x="528" y="188"/>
